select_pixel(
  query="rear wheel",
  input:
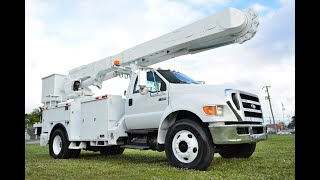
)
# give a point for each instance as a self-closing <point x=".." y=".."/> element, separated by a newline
<point x="105" y="151"/>
<point x="58" y="145"/>
<point x="112" y="150"/>
<point x="116" y="150"/>
<point x="74" y="153"/>
<point x="188" y="145"/>
<point x="237" y="150"/>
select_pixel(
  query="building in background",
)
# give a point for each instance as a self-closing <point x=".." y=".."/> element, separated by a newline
<point x="279" y="127"/>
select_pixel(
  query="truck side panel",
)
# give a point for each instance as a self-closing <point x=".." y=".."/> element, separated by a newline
<point x="49" y="116"/>
<point x="94" y="122"/>
<point x="100" y="115"/>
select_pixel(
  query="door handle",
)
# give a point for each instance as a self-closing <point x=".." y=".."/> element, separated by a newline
<point x="162" y="99"/>
<point x="130" y="102"/>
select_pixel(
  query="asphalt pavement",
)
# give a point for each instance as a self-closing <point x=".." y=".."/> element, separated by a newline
<point x="34" y="141"/>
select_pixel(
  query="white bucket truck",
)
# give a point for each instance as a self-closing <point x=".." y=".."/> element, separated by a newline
<point x="162" y="110"/>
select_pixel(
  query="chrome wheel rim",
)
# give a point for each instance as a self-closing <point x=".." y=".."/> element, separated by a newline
<point x="57" y="144"/>
<point x="185" y="146"/>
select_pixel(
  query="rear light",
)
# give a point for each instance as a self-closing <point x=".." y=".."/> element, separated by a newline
<point x="102" y="97"/>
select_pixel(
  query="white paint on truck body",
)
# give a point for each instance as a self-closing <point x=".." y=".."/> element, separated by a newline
<point x="53" y="86"/>
<point x="100" y="115"/>
<point x="102" y="121"/>
<point x="192" y="97"/>
<point x="146" y="111"/>
<point x="85" y="120"/>
<point x="161" y="98"/>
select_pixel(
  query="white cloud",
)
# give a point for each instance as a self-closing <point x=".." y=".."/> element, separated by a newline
<point x="259" y="7"/>
<point x="206" y="2"/>
<point x="164" y="16"/>
<point x="99" y="29"/>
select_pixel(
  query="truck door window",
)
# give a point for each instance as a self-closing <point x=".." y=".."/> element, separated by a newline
<point x="158" y="85"/>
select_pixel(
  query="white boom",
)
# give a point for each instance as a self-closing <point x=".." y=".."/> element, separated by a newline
<point x="224" y="28"/>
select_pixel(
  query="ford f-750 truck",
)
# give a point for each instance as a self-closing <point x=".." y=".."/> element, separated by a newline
<point x="163" y="110"/>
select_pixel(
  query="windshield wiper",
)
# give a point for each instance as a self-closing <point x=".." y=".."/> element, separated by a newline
<point x="183" y="82"/>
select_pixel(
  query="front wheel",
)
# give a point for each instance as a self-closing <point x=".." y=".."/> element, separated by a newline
<point x="238" y="150"/>
<point x="188" y="145"/>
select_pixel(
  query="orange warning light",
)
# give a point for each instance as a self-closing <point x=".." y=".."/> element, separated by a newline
<point x="116" y="62"/>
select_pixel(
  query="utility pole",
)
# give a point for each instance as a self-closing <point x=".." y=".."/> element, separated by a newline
<point x="268" y="97"/>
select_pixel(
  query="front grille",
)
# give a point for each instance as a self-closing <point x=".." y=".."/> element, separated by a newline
<point x="245" y="106"/>
<point x="248" y="97"/>
<point x="253" y="108"/>
<point x="249" y="105"/>
<point x="235" y="100"/>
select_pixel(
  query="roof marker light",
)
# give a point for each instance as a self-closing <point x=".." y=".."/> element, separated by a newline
<point x="116" y="62"/>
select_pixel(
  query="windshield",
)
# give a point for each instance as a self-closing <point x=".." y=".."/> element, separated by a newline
<point x="176" y="77"/>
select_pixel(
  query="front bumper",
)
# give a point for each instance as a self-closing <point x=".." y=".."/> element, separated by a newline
<point x="232" y="134"/>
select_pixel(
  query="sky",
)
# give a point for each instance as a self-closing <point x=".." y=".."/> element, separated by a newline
<point x="62" y="35"/>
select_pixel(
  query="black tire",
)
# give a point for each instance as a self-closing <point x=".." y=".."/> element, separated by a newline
<point x="64" y="152"/>
<point x="74" y="153"/>
<point x="205" y="150"/>
<point x="238" y="150"/>
<point x="121" y="150"/>
<point x="116" y="150"/>
<point x="105" y="151"/>
<point x="112" y="150"/>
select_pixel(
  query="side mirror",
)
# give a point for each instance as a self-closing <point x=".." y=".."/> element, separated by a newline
<point x="143" y="82"/>
<point x="201" y="82"/>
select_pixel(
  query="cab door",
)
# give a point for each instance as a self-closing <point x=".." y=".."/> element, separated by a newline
<point x="145" y="111"/>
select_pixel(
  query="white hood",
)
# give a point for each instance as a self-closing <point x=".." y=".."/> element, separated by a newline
<point x="192" y="97"/>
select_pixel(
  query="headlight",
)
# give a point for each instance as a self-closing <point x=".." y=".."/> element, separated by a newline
<point x="216" y="110"/>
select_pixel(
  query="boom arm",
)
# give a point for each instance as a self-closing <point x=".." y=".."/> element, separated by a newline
<point x="224" y="28"/>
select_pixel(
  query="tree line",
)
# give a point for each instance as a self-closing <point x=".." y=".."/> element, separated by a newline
<point x="292" y="124"/>
<point x="33" y="117"/>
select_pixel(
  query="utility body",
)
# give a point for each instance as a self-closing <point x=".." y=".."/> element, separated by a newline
<point x="162" y="110"/>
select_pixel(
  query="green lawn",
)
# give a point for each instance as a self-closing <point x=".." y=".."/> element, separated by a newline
<point x="273" y="159"/>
